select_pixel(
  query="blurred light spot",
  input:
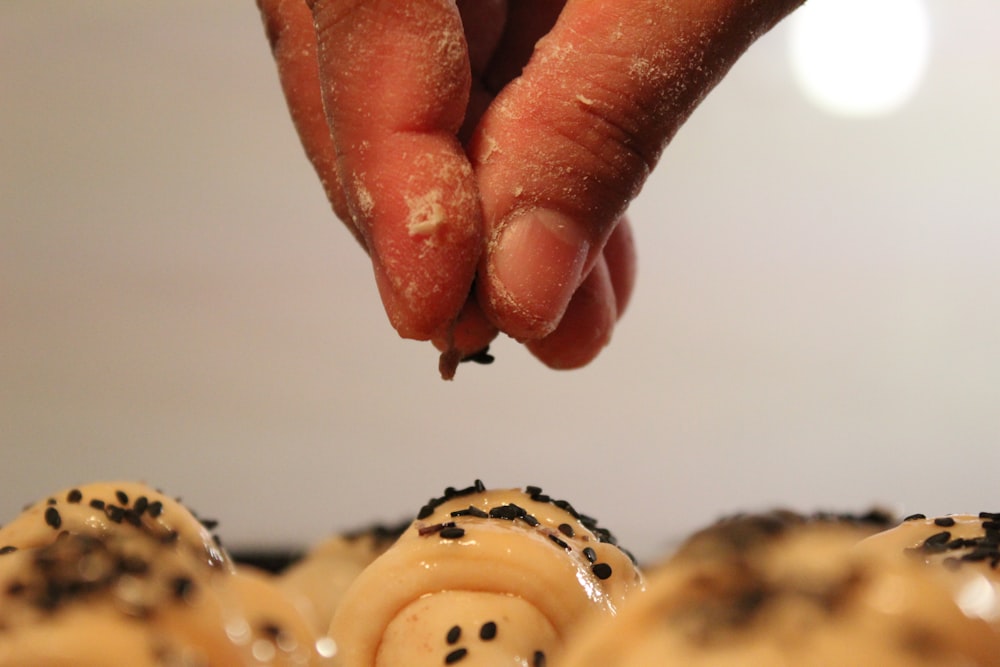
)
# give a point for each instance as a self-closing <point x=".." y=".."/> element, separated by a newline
<point x="860" y="57"/>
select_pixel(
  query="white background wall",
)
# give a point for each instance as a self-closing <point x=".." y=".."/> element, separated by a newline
<point x="816" y="323"/>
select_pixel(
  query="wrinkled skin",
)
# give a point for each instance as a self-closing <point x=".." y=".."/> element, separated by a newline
<point x="484" y="152"/>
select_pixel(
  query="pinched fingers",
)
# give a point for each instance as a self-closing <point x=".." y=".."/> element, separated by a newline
<point x="378" y="90"/>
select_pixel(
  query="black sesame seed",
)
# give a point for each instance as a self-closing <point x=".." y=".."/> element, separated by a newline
<point x="155" y="509"/>
<point x="132" y="517"/>
<point x="488" y="631"/>
<point x="559" y="542"/>
<point x="51" y="501"/>
<point x="7" y="549"/>
<point x="122" y="497"/>
<point x="478" y="486"/>
<point x="471" y="511"/>
<point x="181" y="586"/>
<point x="530" y="520"/>
<point x="74" y="496"/>
<point x="114" y="513"/>
<point x="97" y="504"/>
<point x="508" y="512"/>
<point x="937" y="541"/>
<point x="452" y="532"/>
<point x="944" y="521"/>
<point x="566" y="529"/>
<point x="425" y="511"/>
<point x="590" y="554"/>
<point x="538" y="660"/>
<point x="453" y="634"/>
<point x="455" y="656"/>
<point x="52" y="517"/>
<point x="990" y="515"/>
<point x="601" y="570"/>
<point x="914" y="517"/>
<point x="532" y="490"/>
<point x="272" y="630"/>
<point x="140" y="505"/>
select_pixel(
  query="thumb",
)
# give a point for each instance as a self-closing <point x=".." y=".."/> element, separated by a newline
<point x="566" y="146"/>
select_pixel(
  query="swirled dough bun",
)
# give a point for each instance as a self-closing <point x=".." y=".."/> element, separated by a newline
<point x="483" y="577"/>
<point x="113" y="600"/>
<point x="805" y="597"/>
<point x="118" y="575"/>
<point x="318" y="580"/>
<point x="106" y="508"/>
<point x="275" y="629"/>
<point x="731" y="536"/>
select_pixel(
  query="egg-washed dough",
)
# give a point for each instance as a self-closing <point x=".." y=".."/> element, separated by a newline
<point x="483" y="577"/>
<point x="118" y="575"/>
<point x="804" y="595"/>
<point x="317" y="581"/>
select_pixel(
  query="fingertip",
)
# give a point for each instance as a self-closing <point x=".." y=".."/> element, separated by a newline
<point x="586" y="327"/>
<point x="532" y="271"/>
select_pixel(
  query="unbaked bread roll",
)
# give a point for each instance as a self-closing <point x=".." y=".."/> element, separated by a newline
<point x="317" y="581"/>
<point x="105" y="508"/>
<point x="958" y="541"/>
<point x="118" y="575"/>
<point x="801" y="595"/>
<point x="483" y="577"/>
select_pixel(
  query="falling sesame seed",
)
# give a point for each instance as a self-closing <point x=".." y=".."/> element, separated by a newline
<point x="601" y="570"/>
<point x="488" y="631"/>
<point x="566" y="529"/>
<point x="455" y="656"/>
<point x="590" y="554"/>
<point x="538" y="660"/>
<point x="52" y="517"/>
<point x="122" y="497"/>
<point x="74" y="496"/>
<point x="452" y="532"/>
<point x="453" y="634"/>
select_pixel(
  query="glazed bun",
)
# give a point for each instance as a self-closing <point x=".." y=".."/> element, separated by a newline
<point x="794" y="592"/>
<point x="118" y="575"/>
<point x="483" y="577"/>
<point x="317" y="581"/>
<point x="112" y="508"/>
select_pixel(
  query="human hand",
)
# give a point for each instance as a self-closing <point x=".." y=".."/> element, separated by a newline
<point x="497" y="143"/>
